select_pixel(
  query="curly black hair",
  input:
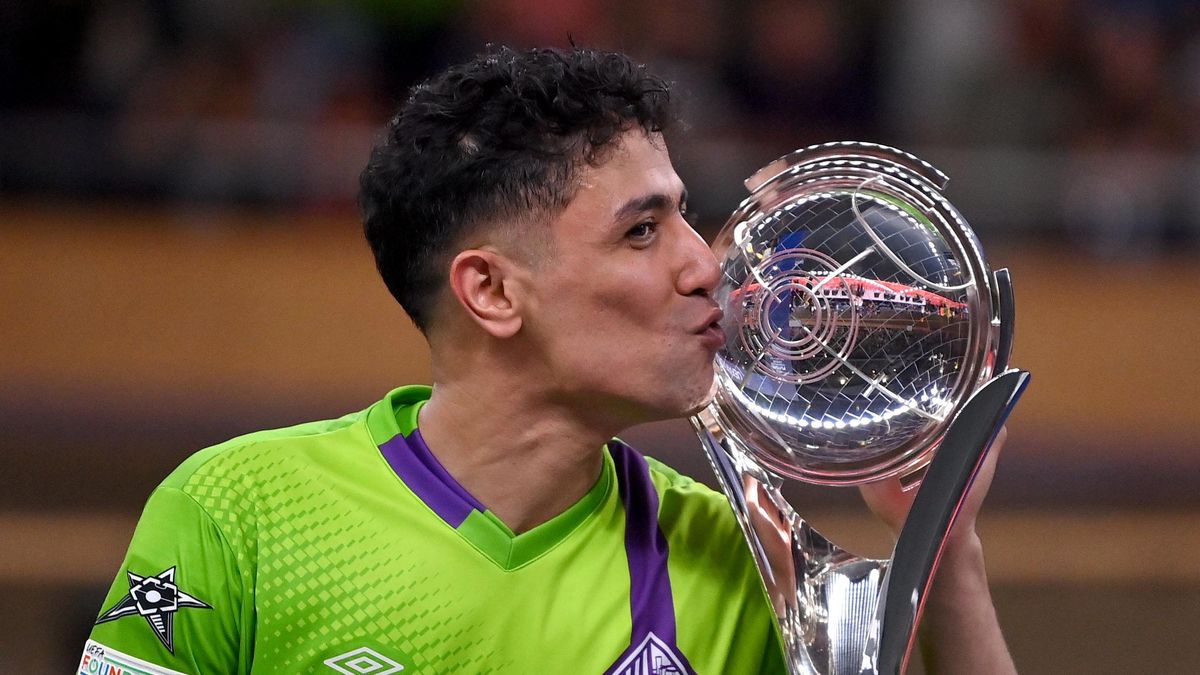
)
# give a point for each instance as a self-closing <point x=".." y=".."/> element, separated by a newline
<point x="501" y="138"/>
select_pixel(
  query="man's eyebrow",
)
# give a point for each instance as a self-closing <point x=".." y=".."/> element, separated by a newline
<point x="649" y="203"/>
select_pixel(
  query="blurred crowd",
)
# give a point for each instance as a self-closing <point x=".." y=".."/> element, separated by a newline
<point x="1070" y="118"/>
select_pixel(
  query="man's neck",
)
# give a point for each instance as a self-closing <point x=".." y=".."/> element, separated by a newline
<point x="524" y="460"/>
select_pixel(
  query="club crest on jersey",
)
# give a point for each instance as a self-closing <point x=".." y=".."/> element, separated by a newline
<point x="156" y="599"/>
<point x="651" y="657"/>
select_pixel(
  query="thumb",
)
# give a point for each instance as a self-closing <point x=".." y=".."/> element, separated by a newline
<point x="889" y="501"/>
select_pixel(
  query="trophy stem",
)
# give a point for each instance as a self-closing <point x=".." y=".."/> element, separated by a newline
<point x="824" y="597"/>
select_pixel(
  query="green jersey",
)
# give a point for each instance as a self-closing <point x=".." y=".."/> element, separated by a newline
<point x="345" y="547"/>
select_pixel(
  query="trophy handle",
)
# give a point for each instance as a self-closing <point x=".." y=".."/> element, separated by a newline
<point x="943" y="490"/>
<point x="748" y="487"/>
<point x="1006" y="315"/>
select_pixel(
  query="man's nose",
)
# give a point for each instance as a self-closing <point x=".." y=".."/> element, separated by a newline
<point x="700" y="271"/>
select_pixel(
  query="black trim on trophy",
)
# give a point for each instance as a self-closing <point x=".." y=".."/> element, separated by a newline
<point x="1006" y="304"/>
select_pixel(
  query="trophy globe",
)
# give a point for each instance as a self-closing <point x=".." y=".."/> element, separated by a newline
<point x="865" y="336"/>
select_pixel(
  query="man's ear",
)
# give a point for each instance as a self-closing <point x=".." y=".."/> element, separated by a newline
<point x="483" y="281"/>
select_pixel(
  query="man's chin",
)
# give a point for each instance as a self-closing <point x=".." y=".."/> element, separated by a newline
<point x="701" y="401"/>
<point x="699" y="405"/>
<point x="681" y="403"/>
<point x="665" y="410"/>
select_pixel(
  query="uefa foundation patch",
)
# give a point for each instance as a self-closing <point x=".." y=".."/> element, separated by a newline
<point x="98" y="659"/>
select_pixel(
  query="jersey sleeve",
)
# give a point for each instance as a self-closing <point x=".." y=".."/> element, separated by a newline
<point x="179" y="603"/>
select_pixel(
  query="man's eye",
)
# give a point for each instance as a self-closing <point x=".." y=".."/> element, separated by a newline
<point x="689" y="216"/>
<point x="642" y="230"/>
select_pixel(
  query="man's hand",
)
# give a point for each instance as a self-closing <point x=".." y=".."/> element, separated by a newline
<point x="890" y="502"/>
<point x="959" y="631"/>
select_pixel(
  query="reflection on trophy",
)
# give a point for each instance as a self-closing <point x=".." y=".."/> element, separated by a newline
<point x="866" y="339"/>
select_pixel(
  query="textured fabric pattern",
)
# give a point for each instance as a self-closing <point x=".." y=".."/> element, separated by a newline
<point x="314" y="555"/>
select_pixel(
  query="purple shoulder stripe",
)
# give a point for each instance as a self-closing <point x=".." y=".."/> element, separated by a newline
<point x="411" y="459"/>
<point x="652" y="641"/>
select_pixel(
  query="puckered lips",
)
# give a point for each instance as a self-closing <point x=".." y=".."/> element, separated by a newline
<point x="710" y="330"/>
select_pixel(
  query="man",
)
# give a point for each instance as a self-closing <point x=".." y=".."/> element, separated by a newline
<point x="524" y="211"/>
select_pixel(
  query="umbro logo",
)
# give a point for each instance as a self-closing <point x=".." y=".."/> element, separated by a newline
<point x="363" y="661"/>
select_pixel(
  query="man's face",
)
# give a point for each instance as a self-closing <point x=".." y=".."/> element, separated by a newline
<point x="621" y="309"/>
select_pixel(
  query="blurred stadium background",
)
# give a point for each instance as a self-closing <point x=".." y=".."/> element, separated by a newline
<point x="180" y="259"/>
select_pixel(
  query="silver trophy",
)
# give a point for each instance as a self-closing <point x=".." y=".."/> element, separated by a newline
<point x="866" y="338"/>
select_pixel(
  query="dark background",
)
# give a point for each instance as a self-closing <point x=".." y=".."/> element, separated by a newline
<point x="180" y="259"/>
